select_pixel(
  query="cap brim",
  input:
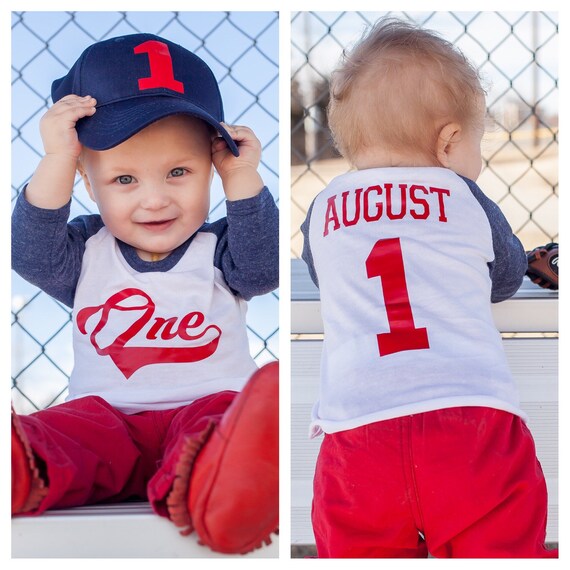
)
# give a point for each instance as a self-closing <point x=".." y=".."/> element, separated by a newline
<point x="114" y="123"/>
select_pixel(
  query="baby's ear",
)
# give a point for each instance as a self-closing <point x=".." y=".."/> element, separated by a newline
<point x="86" y="182"/>
<point x="448" y="136"/>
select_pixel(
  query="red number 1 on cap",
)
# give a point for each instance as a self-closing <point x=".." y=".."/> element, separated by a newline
<point x="161" y="72"/>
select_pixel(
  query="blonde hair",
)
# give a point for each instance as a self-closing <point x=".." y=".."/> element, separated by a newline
<point x="397" y="87"/>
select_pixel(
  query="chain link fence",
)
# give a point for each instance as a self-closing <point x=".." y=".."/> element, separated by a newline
<point x="516" y="54"/>
<point x="242" y="50"/>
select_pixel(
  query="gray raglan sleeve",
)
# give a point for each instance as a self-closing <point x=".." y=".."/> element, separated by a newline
<point x="46" y="250"/>
<point x="248" y="245"/>
<point x="306" y="254"/>
<point x="510" y="264"/>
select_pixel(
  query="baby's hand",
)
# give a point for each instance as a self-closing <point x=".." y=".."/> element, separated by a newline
<point x="57" y="126"/>
<point x="51" y="185"/>
<point x="239" y="175"/>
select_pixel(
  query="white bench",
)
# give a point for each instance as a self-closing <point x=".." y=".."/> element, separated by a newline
<point x="533" y="361"/>
<point x="127" y="530"/>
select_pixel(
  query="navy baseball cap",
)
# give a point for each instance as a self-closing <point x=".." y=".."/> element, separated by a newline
<point x="138" y="79"/>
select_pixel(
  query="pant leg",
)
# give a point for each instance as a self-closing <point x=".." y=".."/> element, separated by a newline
<point x="192" y="423"/>
<point x="362" y="505"/>
<point x="480" y="485"/>
<point x="88" y="452"/>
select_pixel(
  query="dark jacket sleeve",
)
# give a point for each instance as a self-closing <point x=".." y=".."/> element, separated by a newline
<point x="248" y="245"/>
<point x="510" y="264"/>
<point x="46" y="250"/>
<point x="306" y="254"/>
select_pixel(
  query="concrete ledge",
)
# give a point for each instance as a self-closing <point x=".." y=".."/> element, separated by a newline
<point x="130" y="530"/>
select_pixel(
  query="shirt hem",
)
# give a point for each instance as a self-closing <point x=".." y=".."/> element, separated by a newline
<point x="319" y="426"/>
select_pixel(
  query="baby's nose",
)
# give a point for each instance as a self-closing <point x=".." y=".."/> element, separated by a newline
<point x="154" y="197"/>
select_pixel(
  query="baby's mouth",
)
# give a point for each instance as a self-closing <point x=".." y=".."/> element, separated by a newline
<point x="157" y="225"/>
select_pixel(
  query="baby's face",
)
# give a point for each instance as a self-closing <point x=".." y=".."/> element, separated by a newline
<point x="153" y="190"/>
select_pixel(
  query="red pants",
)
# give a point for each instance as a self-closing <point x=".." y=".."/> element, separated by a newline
<point x="94" y="453"/>
<point x="467" y="479"/>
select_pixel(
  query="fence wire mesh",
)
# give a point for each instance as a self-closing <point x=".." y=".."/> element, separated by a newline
<point x="516" y="54"/>
<point x="242" y="50"/>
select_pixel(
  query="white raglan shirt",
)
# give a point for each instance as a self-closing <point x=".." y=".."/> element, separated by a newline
<point x="163" y="337"/>
<point x="402" y="258"/>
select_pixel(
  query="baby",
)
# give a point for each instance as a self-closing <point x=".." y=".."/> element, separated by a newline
<point x="165" y="402"/>
<point x="426" y="449"/>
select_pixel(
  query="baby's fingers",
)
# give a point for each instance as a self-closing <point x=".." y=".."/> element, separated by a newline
<point x="57" y="126"/>
<point x="240" y="133"/>
<point x="74" y="106"/>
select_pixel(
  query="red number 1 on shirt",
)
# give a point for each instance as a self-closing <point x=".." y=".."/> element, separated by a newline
<point x="385" y="261"/>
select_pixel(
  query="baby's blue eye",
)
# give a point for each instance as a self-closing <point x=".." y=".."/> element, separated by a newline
<point x="177" y="172"/>
<point x="125" y="179"/>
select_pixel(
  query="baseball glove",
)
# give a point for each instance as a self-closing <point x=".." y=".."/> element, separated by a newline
<point x="543" y="266"/>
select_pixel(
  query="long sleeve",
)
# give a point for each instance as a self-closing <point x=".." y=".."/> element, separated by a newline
<point x="307" y="254"/>
<point x="248" y="248"/>
<point x="46" y="250"/>
<point x="510" y="264"/>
